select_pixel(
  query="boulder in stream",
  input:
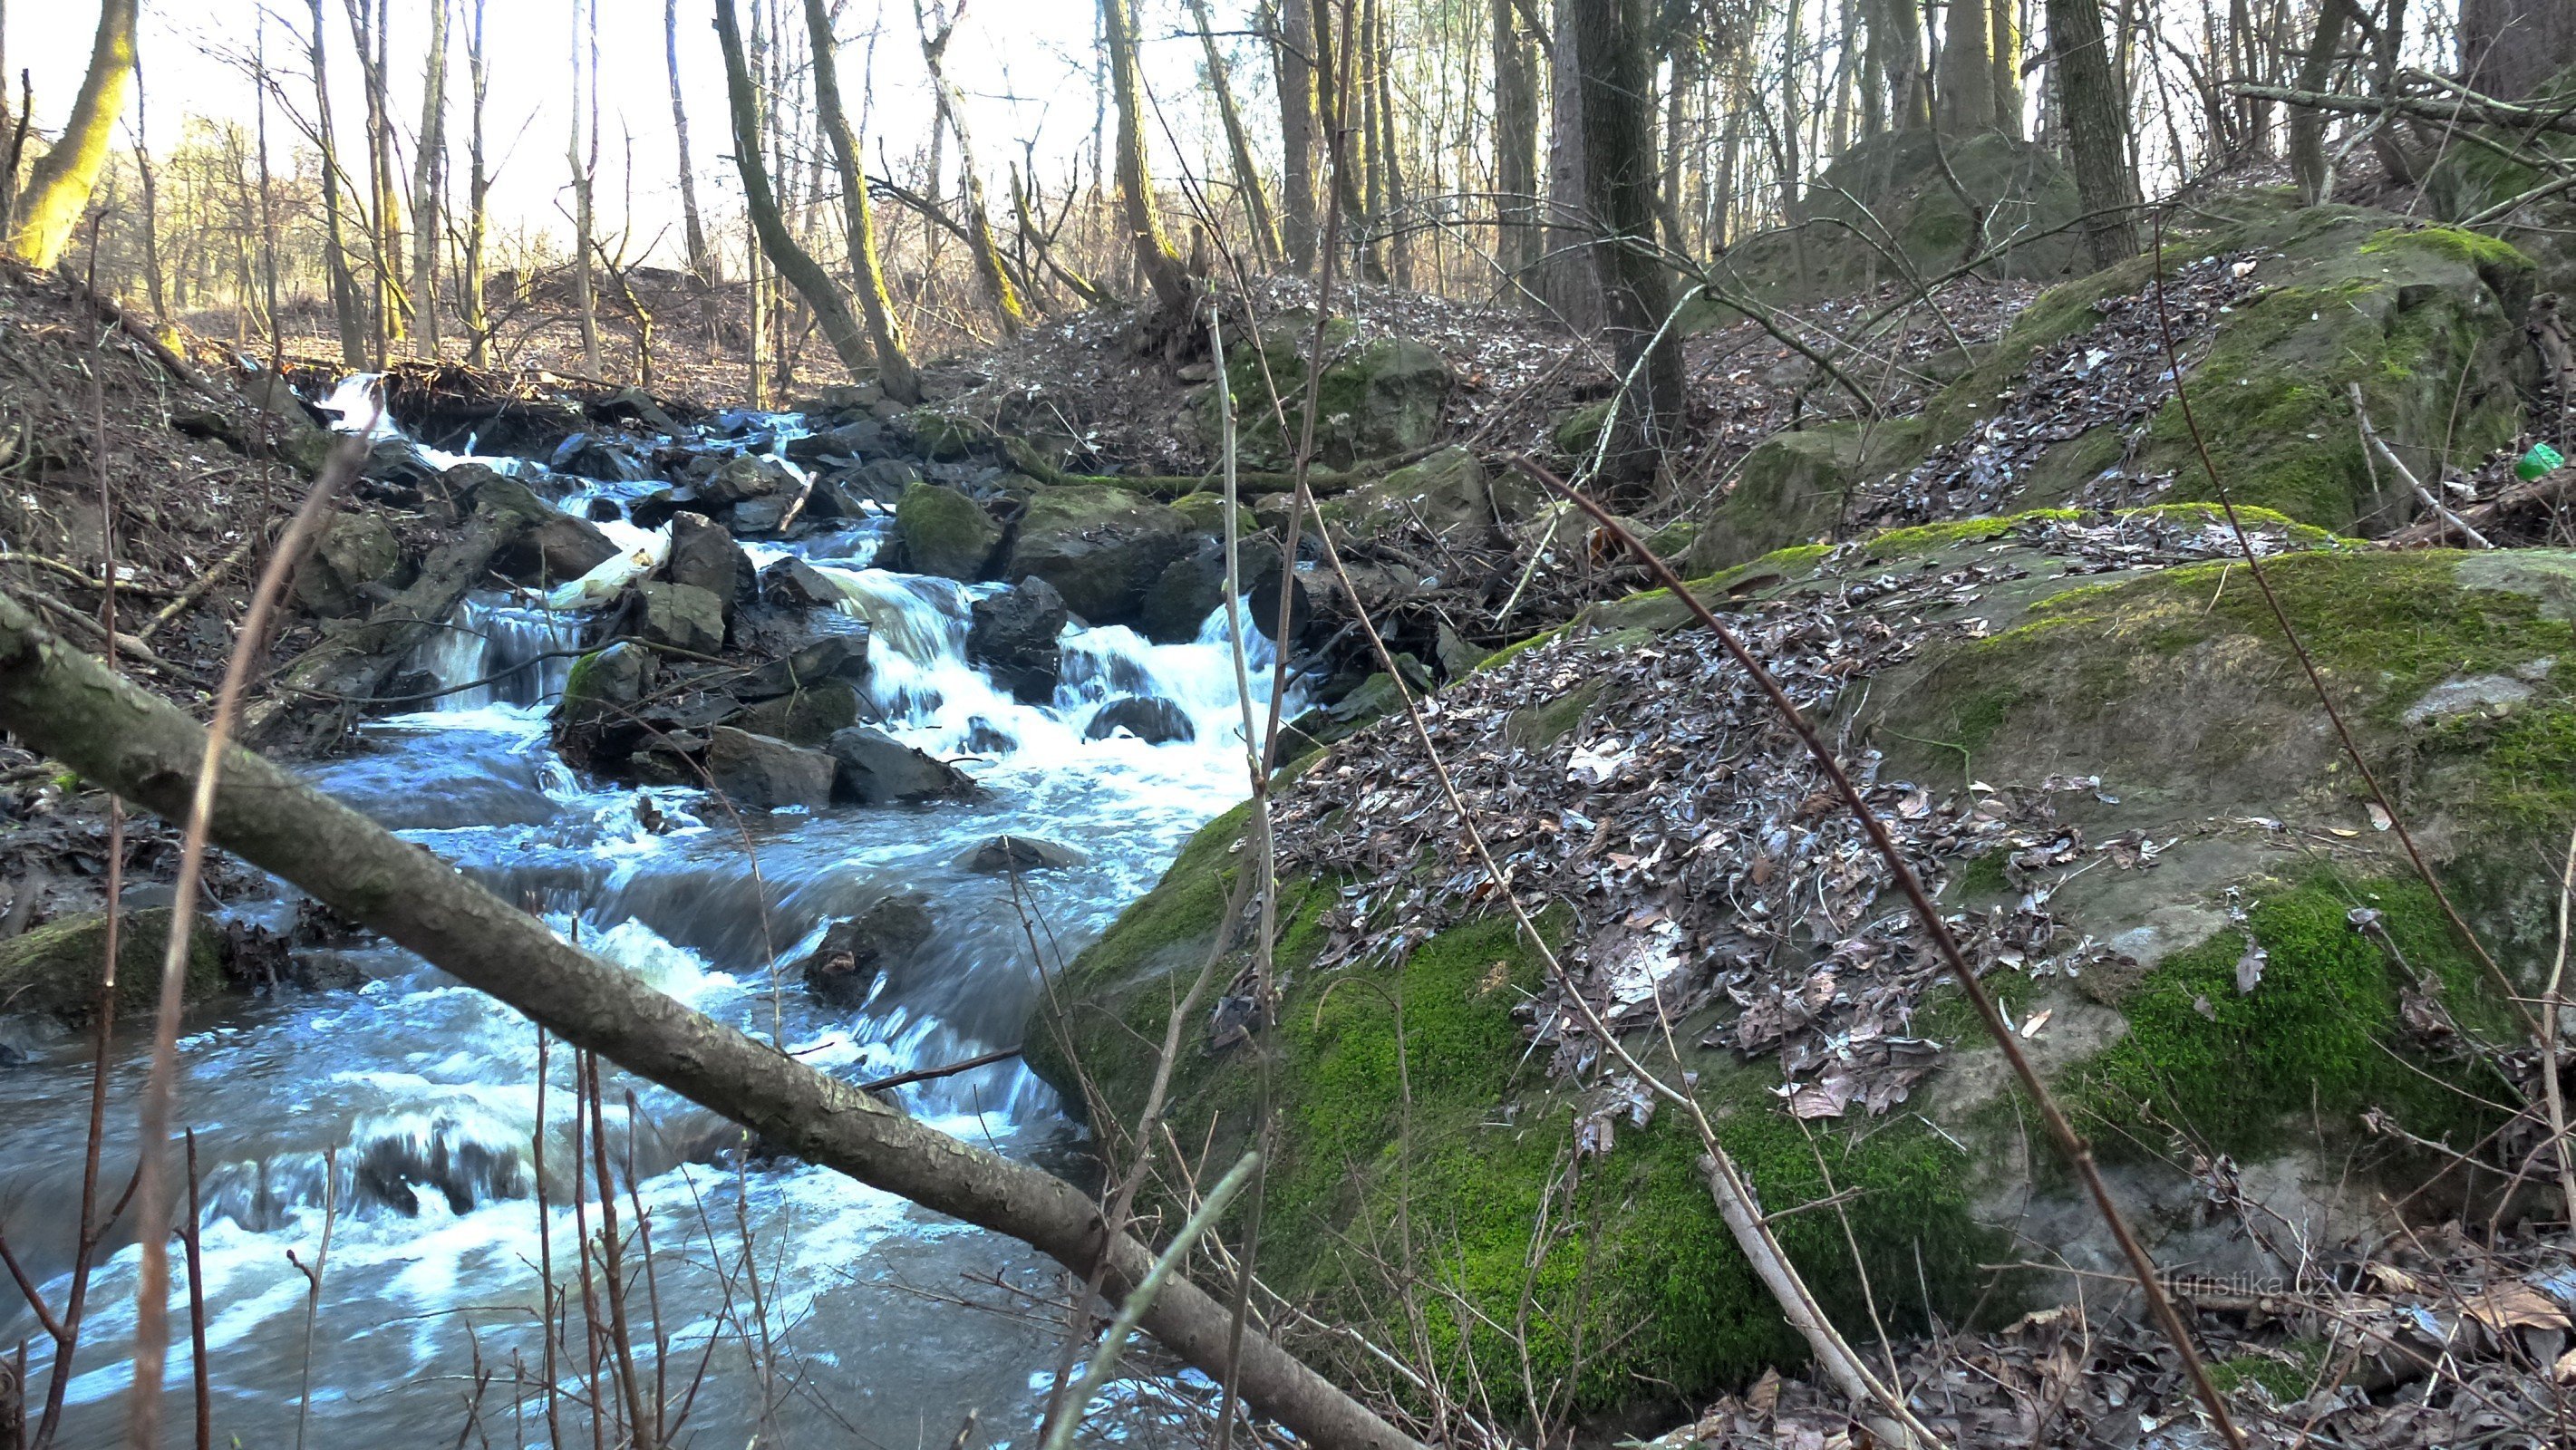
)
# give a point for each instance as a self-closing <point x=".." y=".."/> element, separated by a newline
<point x="682" y="616"/>
<point x="843" y="968"/>
<point x="1101" y="547"/>
<point x="944" y="532"/>
<point x="594" y="724"/>
<point x="744" y="476"/>
<point x="855" y="440"/>
<point x="1150" y="719"/>
<point x="876" y="769"/>
<point x="53" y="969"/>
<point x="704" y="556"/>
<point x="791" y="583"/>
<point x="808" y="716"/>
<point x="1013" y="635"/>
<point x="552" y="551"/>
<point x="842" y="655"/>
<point x="1014" y="854"/>
<point x="1191" y="587"/>
<point x="765" y="772"/>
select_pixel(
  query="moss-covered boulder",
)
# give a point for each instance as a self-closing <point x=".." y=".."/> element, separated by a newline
<point x="1101" y="547"/>
<point x="2282" y="317"/>
<point x="53" y="970"/>
<point x="1893" y="196"/>
<point x="944" y="532"/>
<point x="1378" y="398"/>
<point x="2097" y="750"/>
<point x="1444" y="494"/>
<point x="356" y="549"/>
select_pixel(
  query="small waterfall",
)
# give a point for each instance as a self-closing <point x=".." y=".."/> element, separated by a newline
<point x="520" y="652"/>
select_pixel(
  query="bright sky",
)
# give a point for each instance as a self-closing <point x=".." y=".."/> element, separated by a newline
<point x="1026" y="66"/>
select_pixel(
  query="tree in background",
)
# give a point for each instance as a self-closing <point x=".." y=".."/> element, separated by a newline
<point x="694" y="231"/>
<point x="1156" y="262"/>
<point x="998" y="292"/>
<point x="1614" y="56"/>
<point x="1516" y="248"/>
<point x="885" y="332"/>
<point x="2509" y="47"/>
<point x="58" y="188"/>
<point x="2097" y="132"/>
<point x="1291" y="26"/>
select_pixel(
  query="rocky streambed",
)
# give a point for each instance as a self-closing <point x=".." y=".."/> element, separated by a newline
<point x="759" y="711"/>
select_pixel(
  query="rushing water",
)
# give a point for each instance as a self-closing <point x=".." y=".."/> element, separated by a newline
<point x="793" y="1304"/>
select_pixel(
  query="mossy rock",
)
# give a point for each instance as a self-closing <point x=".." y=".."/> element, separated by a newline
<point x="944" y="532"/>
<point x="943" y="436"/>
<point x="2173" y="686"/>
<point x="1377" y="399"/>
<point x="1101" y="547"/>
<point x="1793" y="488"/>
<point x="53" y="969"/>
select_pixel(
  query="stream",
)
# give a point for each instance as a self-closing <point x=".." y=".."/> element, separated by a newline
<point x="794" y="1305"/>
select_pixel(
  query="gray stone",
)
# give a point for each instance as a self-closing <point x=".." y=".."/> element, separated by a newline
<point x="854" y="953"/>
<point x="761" y="516"/>
<point x="877" y="769"/>
<point x="1154" y="721"/>
<point x="944" y="532"/>
<point x="556" y="549"/>
<point x="358" y="549"/>
<point x="850" y="440"/>
<point x="1444" y="493"/>
<point x="2476" y="695"/>
<point x="682" y="616"/>
<point x="764" y="772"/>
<point x="1019" y="853"/>
<point x="794" y="584"/>
<point x="1013" y="636"/>
<point x="704" y="556"/>
<point x="1192" y="586"/>
<point x="842" y="656"/>
<point x="744" y="477"/>
<point x="805" y="717"/>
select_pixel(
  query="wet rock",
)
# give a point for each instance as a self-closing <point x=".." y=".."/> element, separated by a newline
<point x="805" y="717"/>
<point x="682" y="616"/>
<point x="853" y="953"/>
<point x="553" y="550"/>
<point x="877" y="769"/>
<point x="841" y="656"/>
<point x="1013" y="636"/>
<point x="704" y="556"/>
<point x="944" y="532"/>
<point x="742" y="478"/>
<point x="944" y="437"/>
<point x="637" y="406"/>
<point x="849" y="440"/>
<point x="53" y="969"/>
<point x="1192" y="586"/>
<point x="397" y="462"/>
<point x="358" y="549"/>
<point x="1019" y="853"/>
<point x="595" y="455"/>
<point x="765" y="772"/>
<point x="662" y="505"/>
<point x="1154" y="721"/>
<point x="761" y="517"/>
<point x="1101" y="547"/>
<point x="795" y="584"/>
<point x="595" y="726"/>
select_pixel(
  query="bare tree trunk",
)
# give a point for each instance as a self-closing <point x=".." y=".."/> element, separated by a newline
<point x="2308" y="164"/>
<point x="58" y="187"/>
<point x="1897" y="40"/>
<point x="2097" y="141"/>
<point x="849" y="341"/>
<point x="584" y="173"/>
<point x="1616" y="61"/>
<point x="1967" y="84"/>
<point x="478" y="212"/>
<point x="1572" y="280"/>
<point x="2508" y="47"/>
<point x="1793" y="164"/>
<point x="885" y="331"/>
<point x="429" y="182"/>
<point x="370" y="26"/>
<point x="1247" y="174"/>
<point x="1292" y="49"/>
<point x="1515" y="144"/>
<point x="1156" y="262"/>
<point x="701" y="263"/>
<point x="1390" y="158"/>
<point x="155" y="281"/>
<point x="344" y="288"/>
<point x="989" y="275"/>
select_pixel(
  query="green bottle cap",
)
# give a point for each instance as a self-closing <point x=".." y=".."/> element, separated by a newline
<point x="2539" y="463"/>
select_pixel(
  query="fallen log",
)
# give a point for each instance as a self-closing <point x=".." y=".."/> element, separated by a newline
<point x="57" y="700"/>
<point x="2459" y="111"/>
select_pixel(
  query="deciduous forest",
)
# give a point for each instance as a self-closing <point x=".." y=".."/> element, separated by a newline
<point x="1507" y="724"/>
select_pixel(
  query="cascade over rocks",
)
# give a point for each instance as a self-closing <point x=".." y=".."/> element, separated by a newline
<point x="1153" y="720"/>
<point x="854" y="953"/>
<point x="704" y="556"/>
<point x="875" y="769"/>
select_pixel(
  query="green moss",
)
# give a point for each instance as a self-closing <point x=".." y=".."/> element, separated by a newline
<point x="1517" y="648"/>
<point x="54" y="968"/>
<point x="2457" y="243"/>
<point x="1925" y="538"/>
<point x="946" y="533"/>
<point x="2317" y="1041"/>
<point x="2285" y="1380"/>
<point x="1535" y="727"/>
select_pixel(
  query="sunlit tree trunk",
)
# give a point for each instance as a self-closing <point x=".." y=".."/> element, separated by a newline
<point x="2308" y="164"/>
<point x="1238" y="144"/>
<point x="2003" y="37"/>
<point x="584" y="171"/>
<point x="694" y="231"/>
<point x="885" y="331"/>
<point x="1571" y="285"/>
<point x="1292" y="29"/>
<point x="1156" y="262"/>
<point x="156" y="285"/>
<point x="58" y="188"/>
<point x="1966" y="89"/>
<point x="849" y="341"/>
<point x="1615" y="59"/>
<point x="2097" y="141"/>
<point x="429" y="180"/>
<point x="1392" y="222"/>
<point x="1896" y="39"/>
<point x="478" y="191"/>
<point x="990" y="277"/>
<point x="370" y="28"/>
